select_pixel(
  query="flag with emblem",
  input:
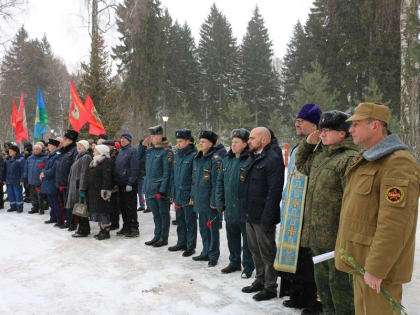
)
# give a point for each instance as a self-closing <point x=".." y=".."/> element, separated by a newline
<point x="13" y="117"/>
<point x="78" y="115"/>
<point x="21" y="130"/>
<point x="41" y="117"/>
<point x="95" y="124"/>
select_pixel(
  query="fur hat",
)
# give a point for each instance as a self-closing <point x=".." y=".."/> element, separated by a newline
<point x="240" y="133"/>
<point x="14" y="148"/>
<point x="209" y="135"/>
<point x="72" y="135"/>
<point x="311" y="113"/>
<point x="183" y="134"/>
<point x="53" y="142"/>
<point x="335" y="120"/>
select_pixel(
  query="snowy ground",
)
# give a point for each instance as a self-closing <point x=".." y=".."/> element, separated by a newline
<point x="43" y="270"/>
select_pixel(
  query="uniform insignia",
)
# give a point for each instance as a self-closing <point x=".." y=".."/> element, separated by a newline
<point x="216" y="156"/>
<point x="242" y="177"/>
<point x="218" y="166"/>
<point x="170" y="156"/>
<point x="206" y="176"/>
<point x="394" y="195"/>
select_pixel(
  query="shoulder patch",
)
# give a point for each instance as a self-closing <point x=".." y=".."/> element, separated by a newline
<point x="170" y="156"/>
<point x="394" y="194"/>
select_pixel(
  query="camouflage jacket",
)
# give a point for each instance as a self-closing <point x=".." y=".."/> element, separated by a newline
<point x="326" y="167"/>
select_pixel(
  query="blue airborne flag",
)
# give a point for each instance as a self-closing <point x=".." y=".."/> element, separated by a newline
<point x="41" y="117"/>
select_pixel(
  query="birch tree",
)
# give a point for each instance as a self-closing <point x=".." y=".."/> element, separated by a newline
<point x="410" y="76"/>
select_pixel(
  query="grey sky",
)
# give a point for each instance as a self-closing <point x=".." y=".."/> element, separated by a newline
<point x="62" y="21"/>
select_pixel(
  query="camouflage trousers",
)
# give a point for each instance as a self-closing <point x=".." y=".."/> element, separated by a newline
<point x="334" y="287"/>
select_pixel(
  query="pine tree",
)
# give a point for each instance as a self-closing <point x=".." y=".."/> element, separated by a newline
<point x="259" y="80"/>
<point x="142" y="55"/>
<point x="238" y="115"/>
<point x="219" y="56"/>
<point x="27" y="65"/>
<point x="314" y="88"/>
<point x="295" y="62"/>
<point x="183" y="71"/>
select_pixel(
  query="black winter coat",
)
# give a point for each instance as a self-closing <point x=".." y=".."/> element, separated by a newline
<point x="66" y="157"/>
<point x="126" y="169"/>
<point x="276" y="148"/>
<point x="263" y="188"/>
<point x="99" y="177"/>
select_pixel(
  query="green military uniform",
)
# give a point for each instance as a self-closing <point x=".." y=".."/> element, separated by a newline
<point x="157" y="188"/>
<point x="326" y="167"/>
<point x="229" y="200"/>
<point x="203" y="192"/>
<point x="181" y="180"/>
<point x="379" y="216"/>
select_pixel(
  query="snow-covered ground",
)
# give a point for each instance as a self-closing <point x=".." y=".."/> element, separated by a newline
<point x="43" y="270"/>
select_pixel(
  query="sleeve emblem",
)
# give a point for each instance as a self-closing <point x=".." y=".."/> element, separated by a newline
<point x="394" y="194"/>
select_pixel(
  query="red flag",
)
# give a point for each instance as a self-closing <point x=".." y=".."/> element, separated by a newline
<point x="78" y="115"/>
<point x="95" y="124"/>
<point x="21" y="129"/>
<point x="14" y="114"/>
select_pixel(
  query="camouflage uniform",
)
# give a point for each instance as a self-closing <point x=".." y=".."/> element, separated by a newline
<point x="326" y="167"/>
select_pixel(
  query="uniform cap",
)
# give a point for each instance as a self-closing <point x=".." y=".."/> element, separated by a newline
<point x="371" y="110"/>
<point x="156" y="130"/>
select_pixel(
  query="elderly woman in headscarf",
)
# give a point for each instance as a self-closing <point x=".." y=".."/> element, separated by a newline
<point x="100" y="189"/>
<point x="78" y="184"/>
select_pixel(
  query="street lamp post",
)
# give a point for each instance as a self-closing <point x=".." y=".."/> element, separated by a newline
<point x="165" y="119"/>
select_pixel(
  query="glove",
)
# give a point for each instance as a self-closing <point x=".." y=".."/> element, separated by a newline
<point x="82" y="194"/>
<point x="128" y="188"/>
<point x="106" y="194"/>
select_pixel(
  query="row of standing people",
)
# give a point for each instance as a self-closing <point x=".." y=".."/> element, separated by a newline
<point x="244" y="184"/>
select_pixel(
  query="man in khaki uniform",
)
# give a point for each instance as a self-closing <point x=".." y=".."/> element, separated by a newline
<point x="379" y="211"/>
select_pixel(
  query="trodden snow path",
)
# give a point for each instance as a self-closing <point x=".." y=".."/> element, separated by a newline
<point x="43" y="270"/>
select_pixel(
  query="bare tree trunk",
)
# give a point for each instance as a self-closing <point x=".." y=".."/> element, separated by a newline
<point x="410" y="80"/>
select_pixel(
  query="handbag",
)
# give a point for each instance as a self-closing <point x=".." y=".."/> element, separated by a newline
<point x="80" y="208"/>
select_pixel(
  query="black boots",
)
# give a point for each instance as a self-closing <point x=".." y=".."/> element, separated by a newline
<point x="152" y="241"/>
<point x="189" y="252"/>
<point x="124" y="231"/>
<point x="255" y="287"/>
<point x="161" y="242"/>
<point x="265" y="295"/>
<point x="132" y="232"/>
<point x="177" y="248"/>
<point x="230" y="269"/>
<point x="103" y="235"/>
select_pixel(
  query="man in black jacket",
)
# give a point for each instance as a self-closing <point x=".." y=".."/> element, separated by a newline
<point x="125" y="174"/>
<point x="67" y="155"/>
<point x="263" y="188"/>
